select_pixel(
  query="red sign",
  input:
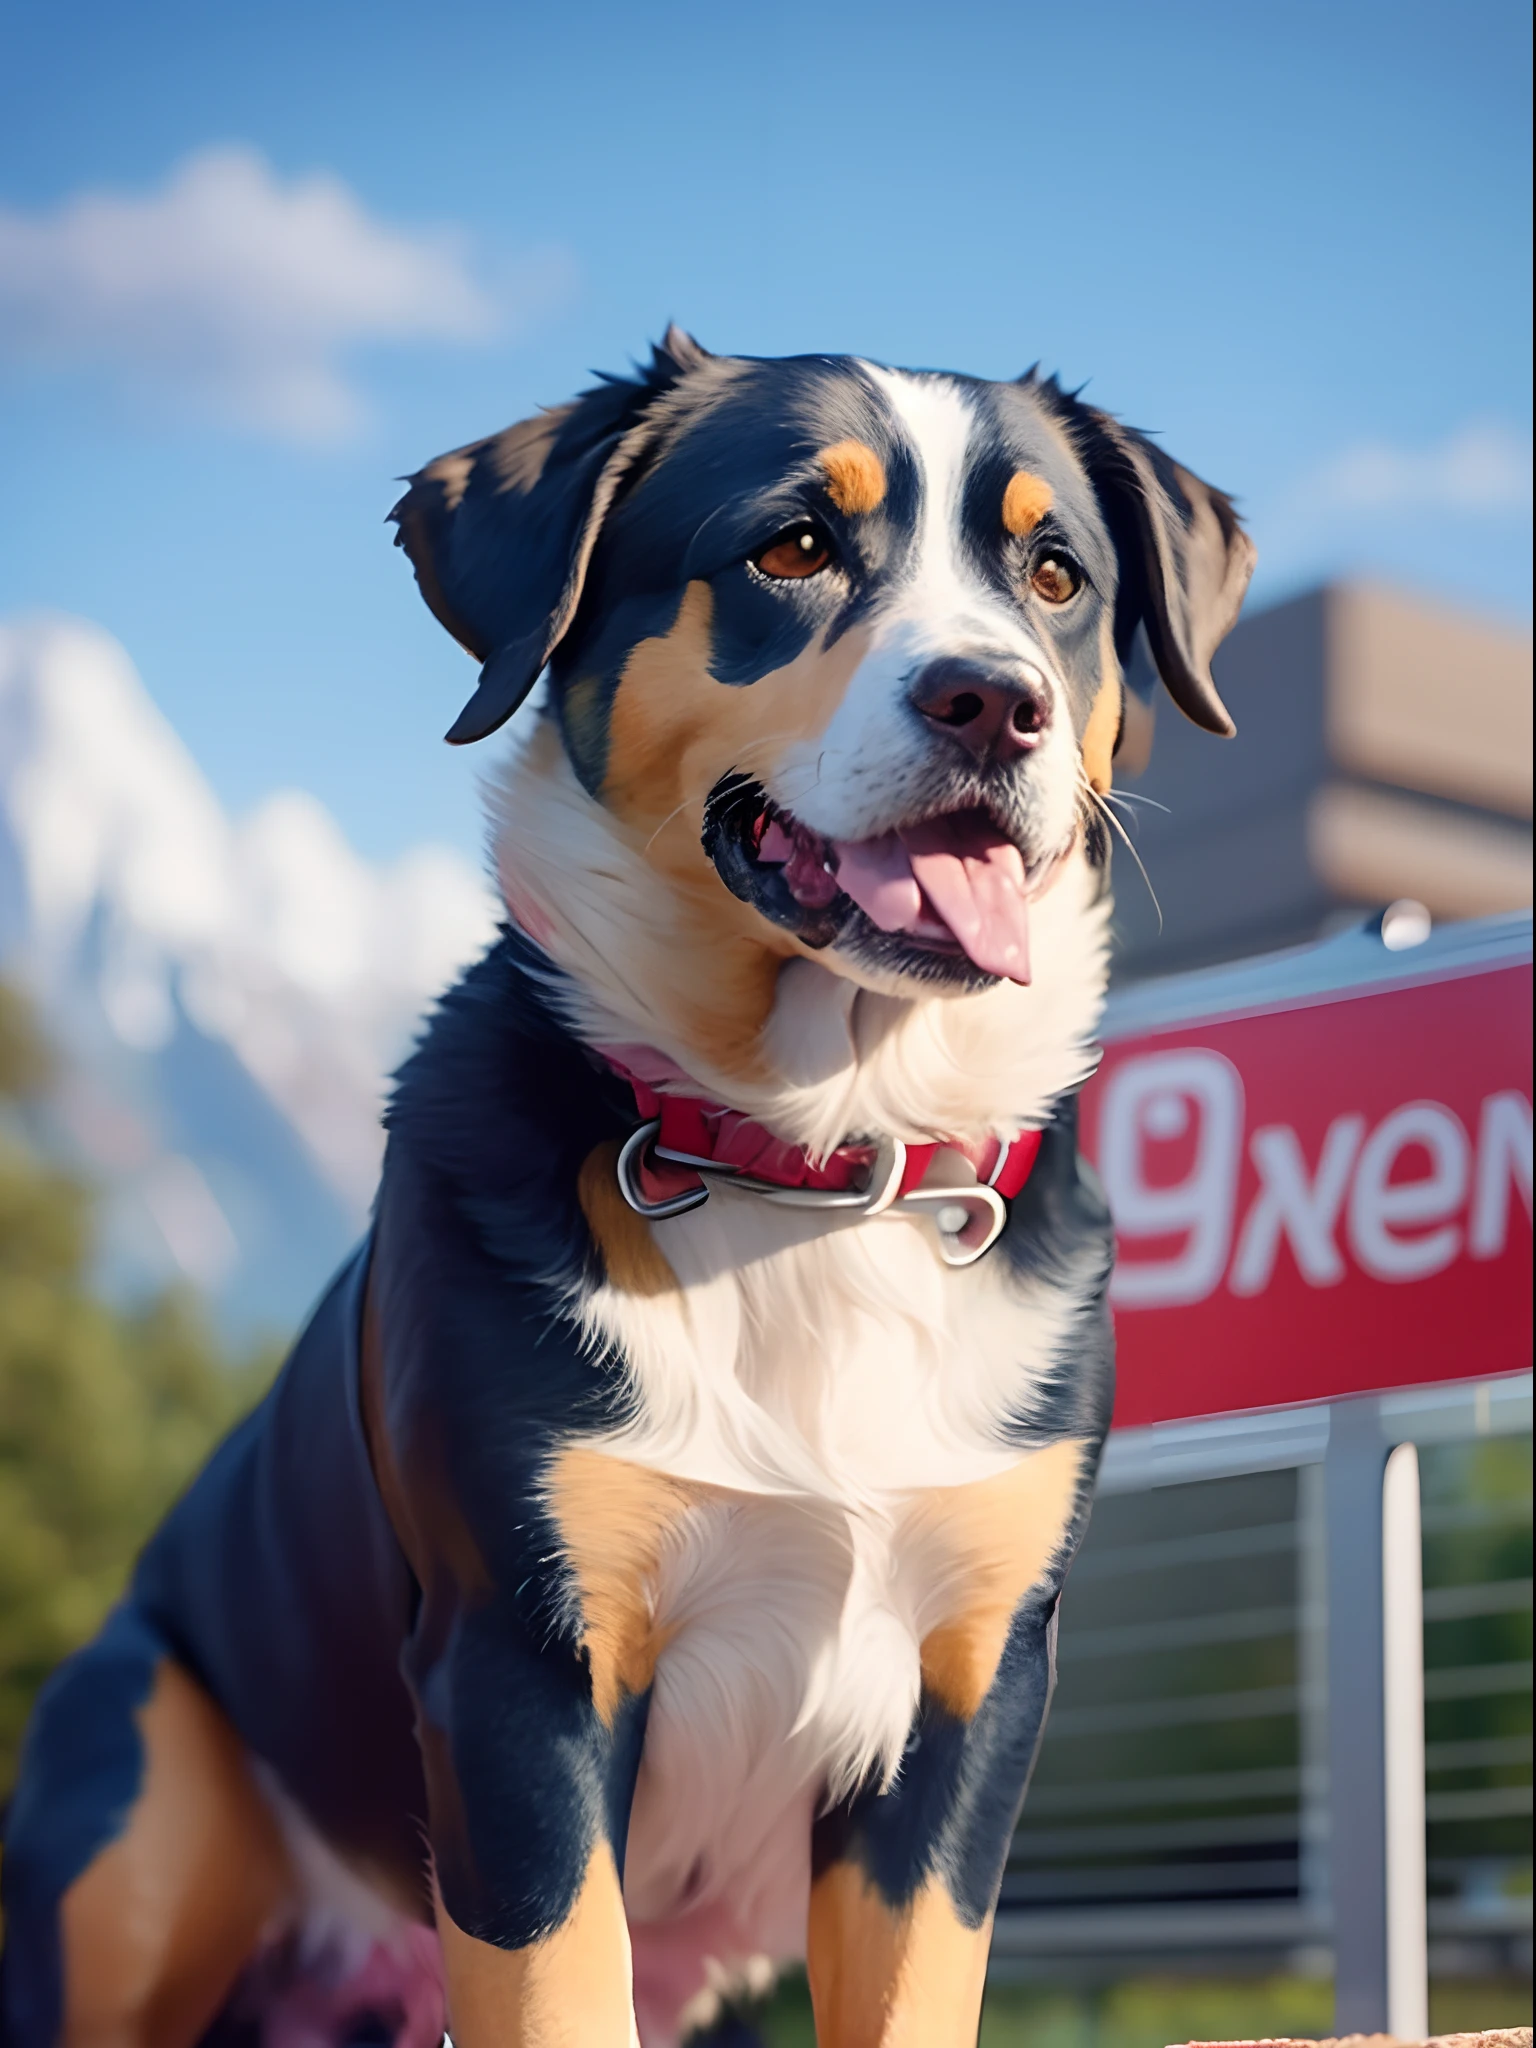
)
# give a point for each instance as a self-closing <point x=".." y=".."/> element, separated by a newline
<point x="1325" y="1200"/>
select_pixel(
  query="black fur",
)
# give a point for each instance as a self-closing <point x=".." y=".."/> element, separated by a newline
<point x="570" y="537"/>
<point x="415" y="1675"/>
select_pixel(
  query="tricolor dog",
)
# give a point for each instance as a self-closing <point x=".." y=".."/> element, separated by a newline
<point x="644" y="1571"/>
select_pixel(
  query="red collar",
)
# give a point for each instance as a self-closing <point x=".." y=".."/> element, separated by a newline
<point x="683" y="1138"/>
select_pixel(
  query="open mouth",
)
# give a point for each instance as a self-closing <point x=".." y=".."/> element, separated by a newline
<point x="951" y="889"/>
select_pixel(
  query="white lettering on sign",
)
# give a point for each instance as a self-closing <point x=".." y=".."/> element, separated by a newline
<point x="1292" y="1205"/>
<point x="1503" y="1162"/>
<point x="1407" y="1198"/>
<point x="1154" y="1098"/>
<point x="1382" y="1209"/>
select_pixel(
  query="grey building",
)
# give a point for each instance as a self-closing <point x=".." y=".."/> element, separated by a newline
<point x="1383" y="750"/>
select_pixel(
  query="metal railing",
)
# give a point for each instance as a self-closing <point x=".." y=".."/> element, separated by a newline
<point x="1204" y="1800"/>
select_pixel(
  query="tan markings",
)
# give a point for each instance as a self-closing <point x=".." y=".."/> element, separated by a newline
<point x="1026" y="501"/>
<point x="722" y="959"/>
<point x="889" y="1977"/>
<point x="673" y="732"/>
<point x="855" y="476"/>
<point x="615" y="1521"/>
<point x="634" y="1261"/>
<point x="571" y="1990"/>
<point x="991" y="1540"/>
<point x="158" y="1926"/>
<point x="1102" y="731"/>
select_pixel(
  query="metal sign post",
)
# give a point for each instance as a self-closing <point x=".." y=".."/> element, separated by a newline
<point x="1320" y="1170"/>
<point x="1375" y="1727"/>
<point x="1402" y="1581"/>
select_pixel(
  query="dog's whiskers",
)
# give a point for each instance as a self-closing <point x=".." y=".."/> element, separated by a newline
<point x="1096" y="798"/>
<point x="676" y="812"/>
<point x="1132" y="797"/>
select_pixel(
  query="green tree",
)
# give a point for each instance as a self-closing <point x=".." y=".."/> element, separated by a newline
<point x="104" y="1414"/>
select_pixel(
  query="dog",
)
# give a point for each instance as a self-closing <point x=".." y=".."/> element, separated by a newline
<point x="644" y="1571"/>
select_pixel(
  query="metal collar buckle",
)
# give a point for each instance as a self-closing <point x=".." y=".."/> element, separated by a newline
<point x="630" y="1154"/>
<point x="968" y="1220"/>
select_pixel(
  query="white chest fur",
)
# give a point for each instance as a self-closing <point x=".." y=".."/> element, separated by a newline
<point x="805" y="1384"/>
<point x="810" y="1384"/>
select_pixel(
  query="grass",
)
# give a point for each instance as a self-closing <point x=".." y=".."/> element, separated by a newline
<point x="1150" y="2012"/>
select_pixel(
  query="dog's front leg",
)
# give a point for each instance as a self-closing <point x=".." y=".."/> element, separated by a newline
<point x="906" y="1880"/>
<point x="565" y="1990"/>
<point x="529" y="1789"/>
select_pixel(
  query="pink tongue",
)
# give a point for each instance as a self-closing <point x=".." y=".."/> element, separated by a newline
<point x="877" y="874"/>
<point x="971" y="876"/>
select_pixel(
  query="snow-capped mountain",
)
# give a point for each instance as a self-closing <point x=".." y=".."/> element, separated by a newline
<point x="227" y="996"/>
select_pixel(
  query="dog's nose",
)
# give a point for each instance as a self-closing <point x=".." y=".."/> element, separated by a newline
<point x="996" y="713"/>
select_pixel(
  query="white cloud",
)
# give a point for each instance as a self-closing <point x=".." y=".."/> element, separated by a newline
<point x="1483" y="467"/>
<point x="238" y="292"/>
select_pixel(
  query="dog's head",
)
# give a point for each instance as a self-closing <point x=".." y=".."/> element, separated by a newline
<point x="844" y="641"/>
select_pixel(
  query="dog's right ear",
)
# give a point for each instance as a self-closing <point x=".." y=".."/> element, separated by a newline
<point x="500" y="532"/>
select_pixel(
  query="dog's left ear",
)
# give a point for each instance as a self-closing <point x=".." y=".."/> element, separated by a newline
<point x="500" y="532"/>
<point x="1185" y="560"/>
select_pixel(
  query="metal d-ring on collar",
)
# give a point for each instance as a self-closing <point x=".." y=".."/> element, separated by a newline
<point x="982" y="1215"/>
<point x="630" y="1154"/>
<point x="968" y="1219"/>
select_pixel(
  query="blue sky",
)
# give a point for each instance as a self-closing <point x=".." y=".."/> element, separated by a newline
<point x="256" y="262"/>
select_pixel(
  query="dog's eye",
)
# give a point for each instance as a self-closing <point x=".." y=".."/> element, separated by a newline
<point x="1055" y="578"/>
<point x="800" y="550"/>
